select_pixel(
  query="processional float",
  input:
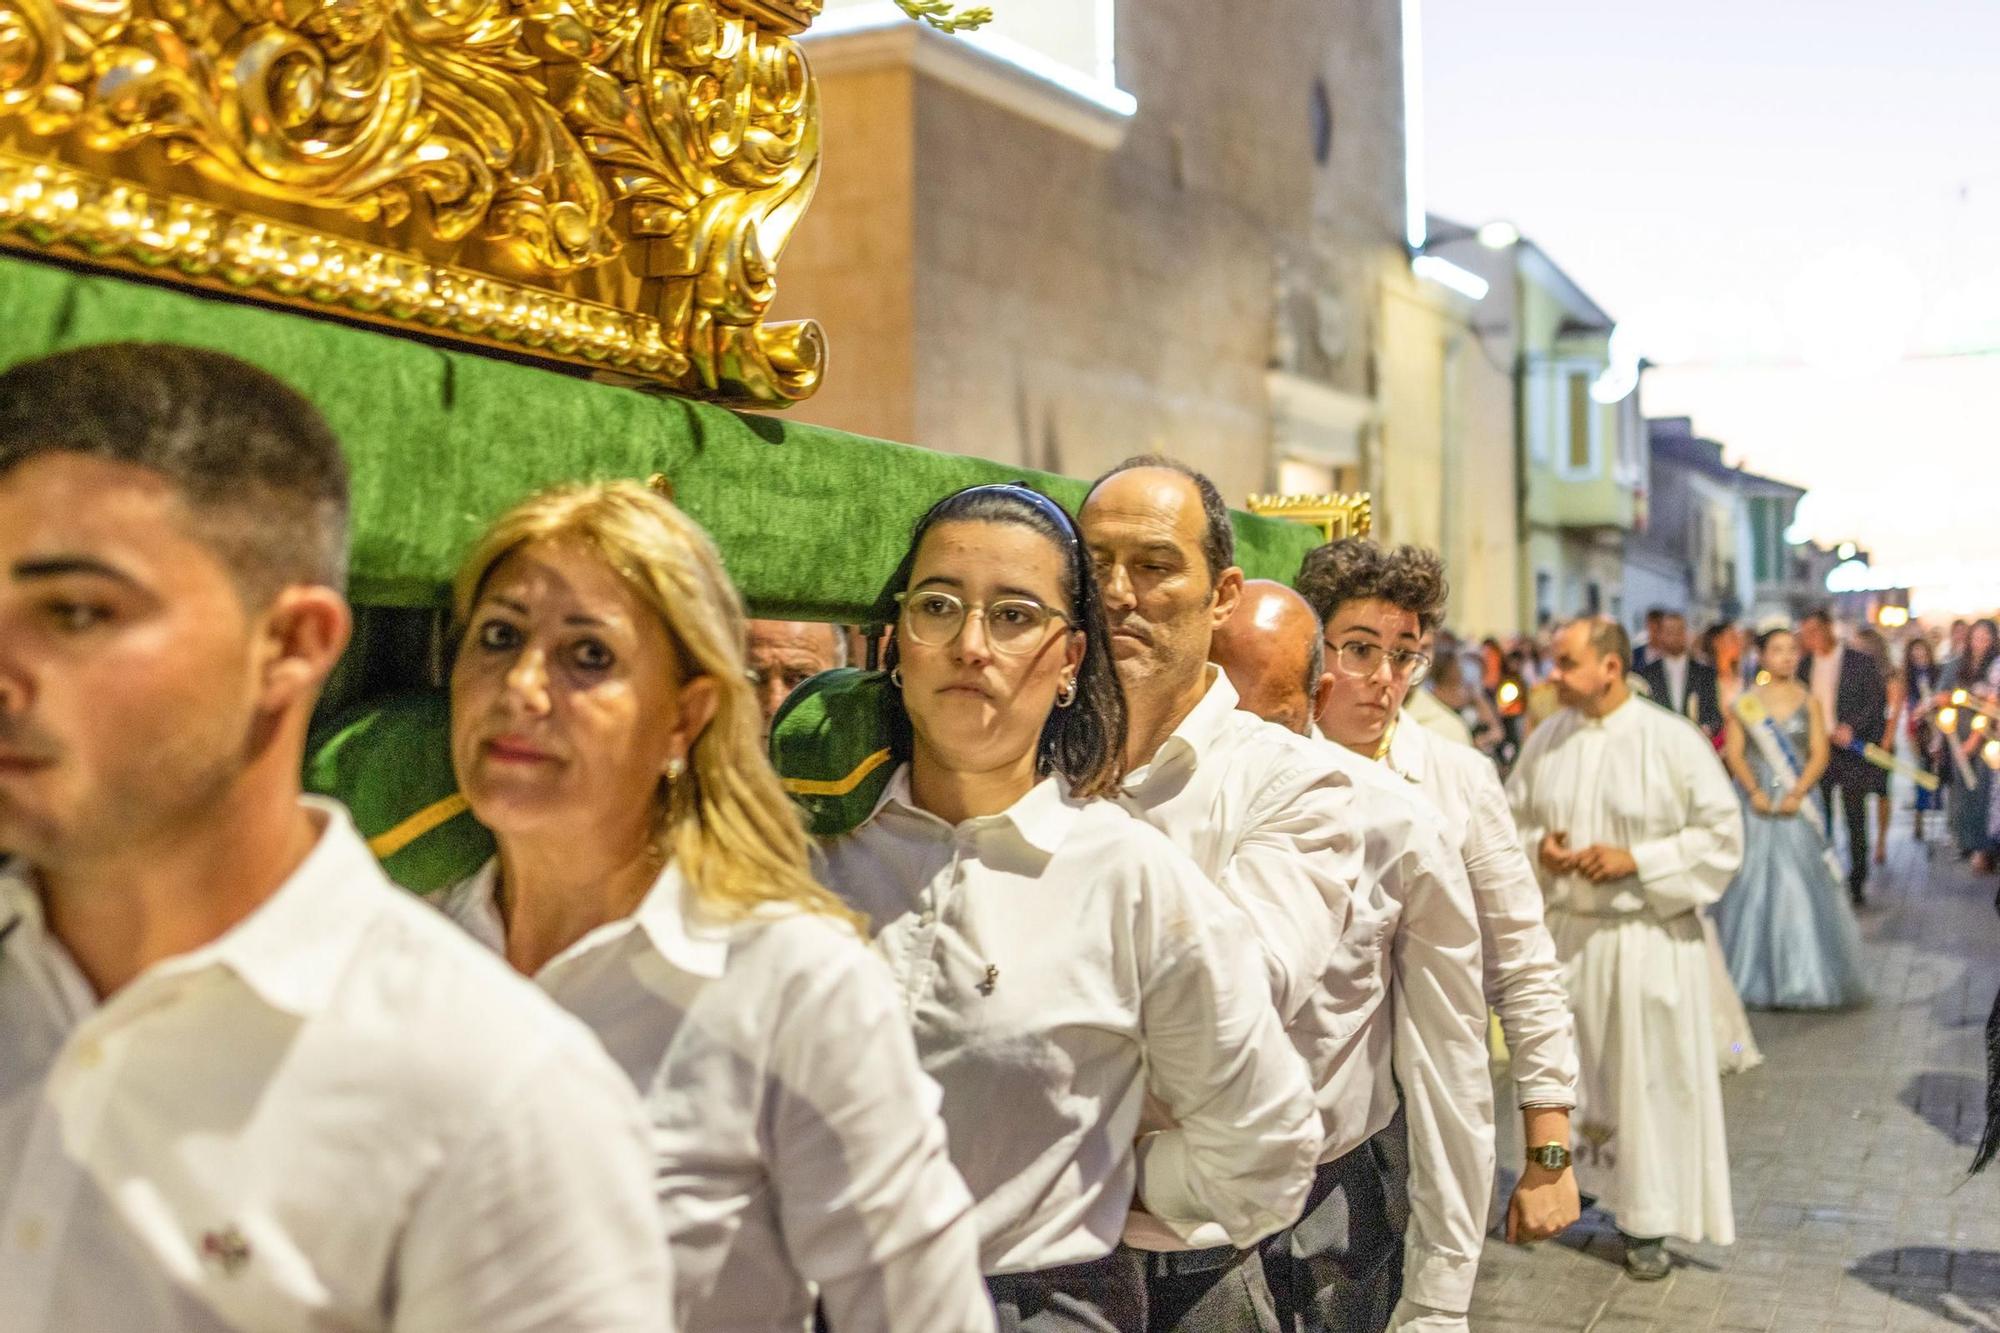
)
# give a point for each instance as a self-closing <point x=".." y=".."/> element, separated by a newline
<point x="500" y="244"/>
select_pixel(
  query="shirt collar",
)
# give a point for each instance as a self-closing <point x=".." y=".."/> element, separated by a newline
<point x="1198" y="731"/>
<point x="698" y="949"/>
<point x="1042" y="817"/>
<point x="294" y="948"/>
<point x="1408" y="756"/>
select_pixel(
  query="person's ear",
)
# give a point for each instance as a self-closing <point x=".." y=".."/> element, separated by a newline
<point x="1228" y="594"/>
<point x="300" y="636"/>
<point x="1074" y="651"/>
<point x="699" y="700"/>
<point x="1322" y="694"/>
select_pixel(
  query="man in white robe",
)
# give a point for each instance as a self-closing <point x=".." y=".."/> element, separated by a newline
<point x="1633" y="828"/>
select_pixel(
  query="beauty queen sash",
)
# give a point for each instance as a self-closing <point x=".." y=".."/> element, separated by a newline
<point x="1785" y="763"/>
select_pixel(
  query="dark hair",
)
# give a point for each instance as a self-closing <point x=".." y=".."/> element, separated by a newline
<point x="1218" y="539"/>
<point x="1355" y="569"/>
<point x="1822" y="614"/>
<point x="1084" y="742"/>
<point x="1709" y="637"/>
<point x="1770" y="636"/>
<point x="1919" y="641"/>
<point x="1654" y="613"/>
<point x="251" y="458"/>
<point x="1972" y="674"/>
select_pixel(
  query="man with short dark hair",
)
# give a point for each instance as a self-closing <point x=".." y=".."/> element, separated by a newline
<point x="1676" y="681"/>
<point x="1855" y="702"/>
<point x="1633" y="828"/>
<point x="784" y="654"/>
<point x="1381" y="604"/>
<point x="244" y="1081"/>
<point x="1649" y="643"/>
<point x="1373" y="949"/>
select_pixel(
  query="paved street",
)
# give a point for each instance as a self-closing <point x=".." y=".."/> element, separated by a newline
<point x="1847" y="1151"/>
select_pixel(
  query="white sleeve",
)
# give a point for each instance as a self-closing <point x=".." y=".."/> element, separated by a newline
<point x="1523" y="979"/>
<point x="871" y="1208"/>
<point x="1293" y="873"/>
<point x="541" y="1219"/>
<point x="1691" y="866"/>
<point x="1246" y="1132"/>
<point x="1440" y="1059"/>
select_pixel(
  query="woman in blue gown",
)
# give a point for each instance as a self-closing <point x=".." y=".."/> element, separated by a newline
<point x="1786" y="928"/>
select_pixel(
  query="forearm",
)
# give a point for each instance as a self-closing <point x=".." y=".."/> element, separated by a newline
<point x="1541" y="1125"/>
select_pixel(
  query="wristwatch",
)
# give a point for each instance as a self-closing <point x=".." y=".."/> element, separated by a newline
<point x="1550" y="1157"/>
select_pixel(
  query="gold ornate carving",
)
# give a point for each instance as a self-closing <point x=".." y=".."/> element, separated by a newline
<point x="47" y="205"/>
<point x="1335" y="515"/>
<point x="619" y="175"/>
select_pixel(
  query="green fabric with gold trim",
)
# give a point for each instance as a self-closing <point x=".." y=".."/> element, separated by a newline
<point x="389" y="763"/>
<point x="831" y="745"/>
<point x="810" y="521"/>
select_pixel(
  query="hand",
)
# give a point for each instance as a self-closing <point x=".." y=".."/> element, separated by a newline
<point x="1544" y="1203"/>
<point x="1760" y="802"/>
<point x="1556" y="855"/>
<point x="1791" y="804"/>
<point x="1843" y="735"/>
<point x="1601" y="865"/>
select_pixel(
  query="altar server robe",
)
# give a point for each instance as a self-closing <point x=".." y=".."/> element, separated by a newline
<point x="1647" y="1131"/>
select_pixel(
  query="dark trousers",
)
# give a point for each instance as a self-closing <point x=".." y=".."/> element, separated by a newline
<point x="1105" y="1295"/>
<point x="1340" y="1269"/>
<point x="1207" y="1291"/>
<point x="1854" y="811"/>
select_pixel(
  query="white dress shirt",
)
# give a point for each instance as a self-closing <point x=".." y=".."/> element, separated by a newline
<point x="1674" y="670"/>
<point x="1524" y="982"/>
<point x="1371" y="924"/>
<point x="340" y="1115"/>
<point x="1059" y="961"/>
<point x="1825" y="684"/>
<point x="796" y="1140"/>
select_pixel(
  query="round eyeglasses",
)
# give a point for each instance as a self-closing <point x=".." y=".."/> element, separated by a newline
<point x="1013" y="624"/>
<point x="1362" y="660"/>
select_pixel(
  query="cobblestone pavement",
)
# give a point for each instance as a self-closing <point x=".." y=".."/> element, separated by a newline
<point x="1847" y="1153"/>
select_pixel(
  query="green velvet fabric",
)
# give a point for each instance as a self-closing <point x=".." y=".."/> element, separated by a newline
<point x="810" y="521"/>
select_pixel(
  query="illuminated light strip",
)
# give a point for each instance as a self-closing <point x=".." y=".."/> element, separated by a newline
<point x="1447" y="274"/>
<point x="1416" y="228"/>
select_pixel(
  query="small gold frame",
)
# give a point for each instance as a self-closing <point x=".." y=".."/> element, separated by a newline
<point x="1336" y="516"/>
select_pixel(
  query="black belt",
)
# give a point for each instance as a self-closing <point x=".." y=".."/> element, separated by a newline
<point x="1186" y="1263"/>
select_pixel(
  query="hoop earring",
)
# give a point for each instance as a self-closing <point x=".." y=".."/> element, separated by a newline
<point x="896" y="675"/>
<point x="1067" y="696"/>
<point x="676" y="767"/>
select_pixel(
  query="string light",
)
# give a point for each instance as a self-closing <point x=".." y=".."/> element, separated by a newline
<point x="1948" y="720"/>
<point x="1991" y="754"/>
<point x="1959" y="698"/>
<point x="1980" y="721"/>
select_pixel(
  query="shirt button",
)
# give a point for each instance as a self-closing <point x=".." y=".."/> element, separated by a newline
<point x="30" y="1234"/>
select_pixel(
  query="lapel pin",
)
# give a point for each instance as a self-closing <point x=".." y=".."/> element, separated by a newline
<point x="226" y="1249"/>
<point x="992" y="980"/>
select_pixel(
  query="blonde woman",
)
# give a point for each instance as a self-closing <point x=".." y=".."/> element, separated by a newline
<point x="652" y="879"/>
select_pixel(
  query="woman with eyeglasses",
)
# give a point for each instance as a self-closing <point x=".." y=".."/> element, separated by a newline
<point x="1060" y="960"/>
<point x="652" y="879"/>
